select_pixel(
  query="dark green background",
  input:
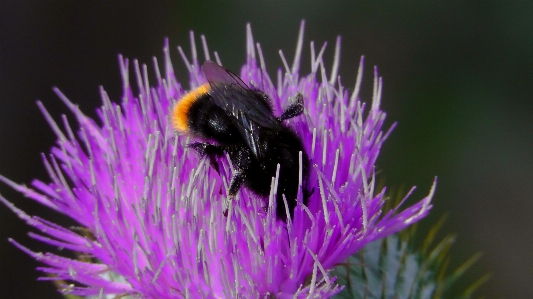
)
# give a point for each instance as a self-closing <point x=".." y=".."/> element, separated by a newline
<point x="457" y="77"/>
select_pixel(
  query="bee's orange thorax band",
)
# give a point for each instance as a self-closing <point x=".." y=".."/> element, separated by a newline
<point x="181" y="109"/>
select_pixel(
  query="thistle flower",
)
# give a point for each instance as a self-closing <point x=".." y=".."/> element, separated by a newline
<point x="154" y="209"/>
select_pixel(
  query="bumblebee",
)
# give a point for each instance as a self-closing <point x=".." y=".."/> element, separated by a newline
<point x="229" y="117"/>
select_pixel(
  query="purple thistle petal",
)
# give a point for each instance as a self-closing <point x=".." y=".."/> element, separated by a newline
<point x="154" y="208"/>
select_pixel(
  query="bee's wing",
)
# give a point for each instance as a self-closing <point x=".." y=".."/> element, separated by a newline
<point x="234" y="96"/>
<point x="231" y="94"/>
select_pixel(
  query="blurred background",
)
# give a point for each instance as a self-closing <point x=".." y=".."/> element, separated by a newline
<point x="457" y="79"/>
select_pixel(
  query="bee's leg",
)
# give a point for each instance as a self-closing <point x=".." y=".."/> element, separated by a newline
<point x="241" y="159"/>
<point x="294" y="109"/>
<point x="307" y="194"/>
<point x="236" y="183"/>
<point x="209" y="150"/>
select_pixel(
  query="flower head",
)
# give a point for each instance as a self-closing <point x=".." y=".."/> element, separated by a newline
<point x="155" y="209"/>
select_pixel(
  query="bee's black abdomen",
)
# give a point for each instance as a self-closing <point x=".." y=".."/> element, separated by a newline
<point x="281" y="147"/>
